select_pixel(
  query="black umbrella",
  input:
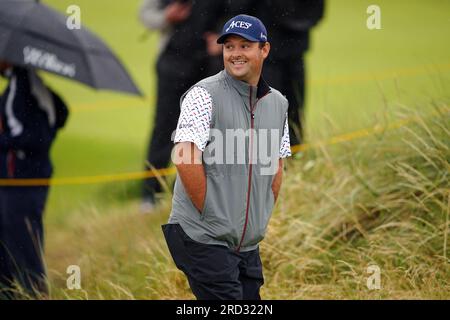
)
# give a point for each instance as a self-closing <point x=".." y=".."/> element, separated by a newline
<point x="34" y="35"/>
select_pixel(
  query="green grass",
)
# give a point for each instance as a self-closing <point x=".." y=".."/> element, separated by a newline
<point x="357" y="78"/>
<point x="384" y="200"/>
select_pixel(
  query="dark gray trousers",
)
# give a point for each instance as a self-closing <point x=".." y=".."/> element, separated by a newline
<point x="215" y="272"/>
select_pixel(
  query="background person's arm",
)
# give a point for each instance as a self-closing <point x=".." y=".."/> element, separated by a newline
<point x="188" y="161"/>
<point x="155" y="17"/>
<point x="152" y="15"/>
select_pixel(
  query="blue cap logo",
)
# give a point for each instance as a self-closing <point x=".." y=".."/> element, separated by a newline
<point x="248" y="27"/>
<point x="239" y="24"/>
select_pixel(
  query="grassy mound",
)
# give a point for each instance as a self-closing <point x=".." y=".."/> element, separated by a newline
<point x="383" y="200"/>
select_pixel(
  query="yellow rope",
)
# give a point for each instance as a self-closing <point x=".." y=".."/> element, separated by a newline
<point x="83" y="180"/>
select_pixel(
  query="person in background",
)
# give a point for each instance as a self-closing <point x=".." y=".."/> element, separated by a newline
<point x="30" y="116"/>
<point x="183" y="26"/>
<point x="289" y="23"/>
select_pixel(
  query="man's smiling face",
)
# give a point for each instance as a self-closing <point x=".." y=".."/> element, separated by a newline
<point x="244" y="59"/>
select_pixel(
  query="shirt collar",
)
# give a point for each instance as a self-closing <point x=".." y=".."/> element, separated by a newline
<point x="244" y="88"/>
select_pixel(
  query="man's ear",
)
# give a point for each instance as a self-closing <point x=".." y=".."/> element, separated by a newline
<point x="266" y="50"/>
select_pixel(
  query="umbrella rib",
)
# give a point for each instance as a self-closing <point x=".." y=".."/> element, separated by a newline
<point x="113" y="57"/>
<point x="89" y="68"/>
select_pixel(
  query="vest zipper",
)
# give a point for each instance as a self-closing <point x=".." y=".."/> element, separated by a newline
<point x="252" y="124"/>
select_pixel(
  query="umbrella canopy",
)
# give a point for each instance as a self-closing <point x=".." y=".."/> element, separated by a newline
<point x="34" y="35"/>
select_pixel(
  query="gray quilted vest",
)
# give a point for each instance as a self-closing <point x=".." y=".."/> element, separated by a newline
<point x="239" y="198"/>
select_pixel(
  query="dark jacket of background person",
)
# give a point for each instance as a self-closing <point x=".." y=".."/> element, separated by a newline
<point x="30" y="115"/>
<point x="181" y="63"/>
<point x="288" y="22"/>
<point x="183" y="43"/>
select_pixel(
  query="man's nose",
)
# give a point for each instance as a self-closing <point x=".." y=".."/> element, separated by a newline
<point x="236" y="53"/>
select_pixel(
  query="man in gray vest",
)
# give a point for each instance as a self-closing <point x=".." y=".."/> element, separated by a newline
<point x="231" y="136"/>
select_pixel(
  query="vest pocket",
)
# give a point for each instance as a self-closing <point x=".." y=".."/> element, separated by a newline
<point x="268" y="208"/>
<point x="224" y="213"/>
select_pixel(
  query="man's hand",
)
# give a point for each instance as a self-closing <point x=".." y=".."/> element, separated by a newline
<point x="276" y="184"/>
<point x="177" y="12"/>
<point x="188" y="160"/>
